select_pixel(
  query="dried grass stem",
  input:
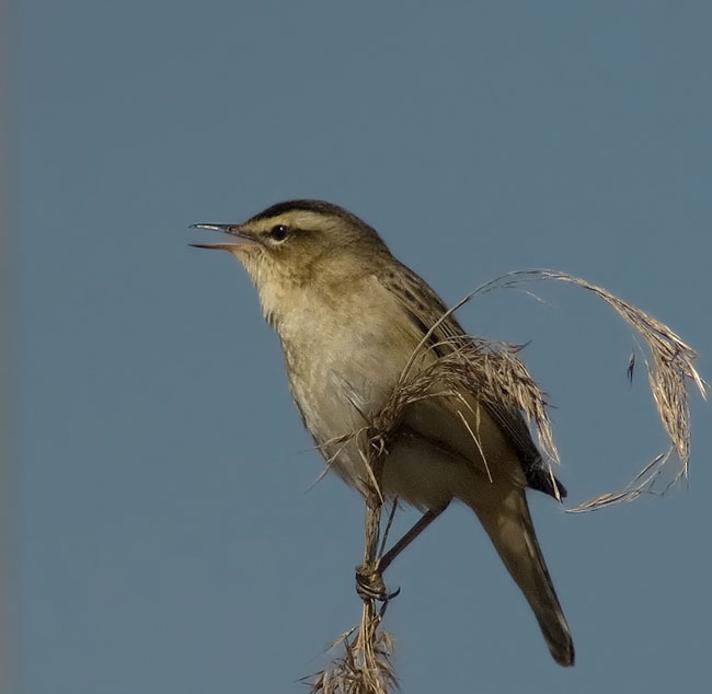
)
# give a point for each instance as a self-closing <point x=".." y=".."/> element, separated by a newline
<point x="494" y="373"/>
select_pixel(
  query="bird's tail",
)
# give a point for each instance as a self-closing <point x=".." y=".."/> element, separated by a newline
<point x="505" y="516"/>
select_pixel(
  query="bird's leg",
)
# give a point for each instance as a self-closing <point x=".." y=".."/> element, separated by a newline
<point x="423" y="522"/>
<point x="369" y="580"/>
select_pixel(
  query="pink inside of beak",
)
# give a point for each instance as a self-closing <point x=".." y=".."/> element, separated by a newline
<point x="220" y="246"/>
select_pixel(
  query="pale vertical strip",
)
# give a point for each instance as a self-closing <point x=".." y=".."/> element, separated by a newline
<point x="8" y="609"/>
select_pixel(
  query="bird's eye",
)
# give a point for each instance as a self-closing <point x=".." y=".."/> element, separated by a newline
<point x="279" y="232"/>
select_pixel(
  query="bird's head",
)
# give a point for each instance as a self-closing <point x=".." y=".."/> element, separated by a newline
<point x="299" y="242"/>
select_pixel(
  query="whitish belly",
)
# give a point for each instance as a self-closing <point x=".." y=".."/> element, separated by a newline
<point x="341" y="383"/>
<point x="341" y="375"/>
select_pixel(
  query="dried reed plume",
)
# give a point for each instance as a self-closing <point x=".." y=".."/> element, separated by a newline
<point x="670" y="364"/>
<point x="451" y="365"/>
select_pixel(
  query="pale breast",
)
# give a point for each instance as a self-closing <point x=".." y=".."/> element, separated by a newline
<point x="343" y="359"/>
<point x="345" y="352"/>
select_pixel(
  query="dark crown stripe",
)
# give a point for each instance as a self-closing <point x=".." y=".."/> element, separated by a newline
<point x="320" y="207"/>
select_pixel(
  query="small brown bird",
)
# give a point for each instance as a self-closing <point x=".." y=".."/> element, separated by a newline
<point x="349" y="316"/>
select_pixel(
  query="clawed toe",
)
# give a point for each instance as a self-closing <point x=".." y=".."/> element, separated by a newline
<point x="370" y="585"/>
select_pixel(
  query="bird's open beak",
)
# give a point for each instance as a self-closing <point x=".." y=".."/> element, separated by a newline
<point x="241" y="241"/>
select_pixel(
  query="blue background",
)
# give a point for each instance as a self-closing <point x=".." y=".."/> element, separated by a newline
<point x="165" y="539"/>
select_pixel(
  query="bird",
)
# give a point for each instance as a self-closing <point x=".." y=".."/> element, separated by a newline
<point x="349" y="315"/>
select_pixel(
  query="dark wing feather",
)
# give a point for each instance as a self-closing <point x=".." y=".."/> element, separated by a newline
<point x="425" y="308"/>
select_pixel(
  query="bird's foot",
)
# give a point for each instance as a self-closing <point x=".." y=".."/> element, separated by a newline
<point x="370" y="585"/>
